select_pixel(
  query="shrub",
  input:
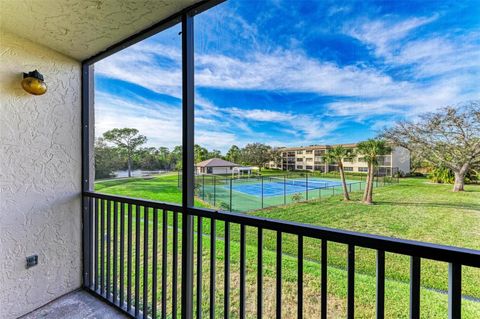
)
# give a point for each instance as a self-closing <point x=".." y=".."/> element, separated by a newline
<point x="297" y="197"/>
<point x="442" y="175"/>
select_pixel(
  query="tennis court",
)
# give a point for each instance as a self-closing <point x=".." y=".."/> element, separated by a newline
<point x="275" y="186"/>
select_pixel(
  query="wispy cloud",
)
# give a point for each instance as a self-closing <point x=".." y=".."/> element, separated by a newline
<point x="383" y="34"/>
<point x="410" y="66"/>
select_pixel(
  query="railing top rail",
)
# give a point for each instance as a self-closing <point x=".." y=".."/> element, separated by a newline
<point x="464" y="256"/>
<point x="136" y="201"/>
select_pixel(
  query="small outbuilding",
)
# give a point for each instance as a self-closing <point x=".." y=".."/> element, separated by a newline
<point x="215" y="166"/>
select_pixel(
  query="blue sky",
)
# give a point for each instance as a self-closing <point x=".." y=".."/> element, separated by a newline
<point x="290" y="73"/>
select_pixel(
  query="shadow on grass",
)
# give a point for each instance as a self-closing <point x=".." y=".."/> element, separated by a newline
<point x="428" y="204"/>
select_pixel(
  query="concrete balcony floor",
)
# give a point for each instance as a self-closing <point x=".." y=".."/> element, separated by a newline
<point x="76" y="305"/>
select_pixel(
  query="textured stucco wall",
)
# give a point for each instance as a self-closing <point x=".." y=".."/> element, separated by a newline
<point x="40" y="177"/>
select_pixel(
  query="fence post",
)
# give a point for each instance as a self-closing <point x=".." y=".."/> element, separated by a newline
<point x="230" y="194"/>
<point x="214" y="190"/>
<point x="261" y="178"/>
<point x="203" y="186"/>
<point x="284" y="190"/>
<point x="306" y="185"/>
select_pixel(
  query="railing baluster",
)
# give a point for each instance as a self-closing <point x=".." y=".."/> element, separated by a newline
<point x="115" y="250"/>
<point x="122" y="253"/>
<point x="110" y="277"/>
<point x="454" y="290"/>
<point x="164" y="262"/>
<point x="102" y="249"/>
<point x="227" y="272"/>
<point x="213" y="256"/>
<point x="300" y="278"/>
<point x="279" y="276"/>
<point x="242" y="272"/>
<point x="323" y="291"/>
<point x="414" y="287"/>
<point x="175" y="264"/>
<point x="109" y="240"/>
<point x="380" y="296"/>
<point x="145" y="261"/>
<point x="129" y="258"/>
<point x="97" y="235"/>
<point x="154" y="262"/>
<point x="199" y="266"/>
<point x="351" y="282"/>
<point x="137" y="260"/>
<point x="260" y="274"/>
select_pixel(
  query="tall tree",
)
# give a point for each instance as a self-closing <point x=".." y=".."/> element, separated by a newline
<point x="336" y="155"/>
<point x="214" y="154"/>
<point x="107" y="159"/>
<point x="176" y="157"/>
<point x="234" y="154"/>
<point x="449" y="137"/>
<point x="370" y="150"/>
<point x="201" y="153"/>
<point x="276" y="156"/>
<point x="257" y="154"/>
<point x="127" y="140"/>
<point x="164" y="157"/>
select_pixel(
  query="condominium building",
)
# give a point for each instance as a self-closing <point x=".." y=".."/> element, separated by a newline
<point x="312" y="158"/>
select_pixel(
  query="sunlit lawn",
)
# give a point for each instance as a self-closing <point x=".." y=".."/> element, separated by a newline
<point x="414" y="209"/>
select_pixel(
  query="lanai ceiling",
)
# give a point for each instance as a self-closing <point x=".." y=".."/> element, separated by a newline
<point x="82" y="28"/>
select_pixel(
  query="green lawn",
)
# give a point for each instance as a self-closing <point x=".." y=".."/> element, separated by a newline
<point x="413" y="209"/>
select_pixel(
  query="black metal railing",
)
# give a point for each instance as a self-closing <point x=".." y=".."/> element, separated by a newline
<point x="133" y="260"/>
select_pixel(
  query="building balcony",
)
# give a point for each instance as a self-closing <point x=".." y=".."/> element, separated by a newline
<point x="106" y="256"/>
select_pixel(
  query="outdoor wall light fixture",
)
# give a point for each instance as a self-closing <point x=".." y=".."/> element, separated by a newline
<point x="33" y="83"/>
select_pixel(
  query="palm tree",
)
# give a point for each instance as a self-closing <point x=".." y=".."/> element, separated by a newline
<point x="336" y="155"/>
<point x="370" y="149"/>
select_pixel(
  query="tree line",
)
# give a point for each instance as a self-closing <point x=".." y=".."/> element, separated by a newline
<point x="447" y="140"/>
<point x="123" y="149"/>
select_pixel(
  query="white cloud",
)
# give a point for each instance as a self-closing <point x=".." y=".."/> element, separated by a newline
<point x="281" y="70"/>
<point x="362" y="91"/>
<point x="439" y="55"/>
<point x="383" y="34"/>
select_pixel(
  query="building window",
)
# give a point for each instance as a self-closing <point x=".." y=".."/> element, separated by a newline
<point x="299" y="152"/>
<point x="309" y="152"/>
<point x="348" y="169"/>
<point x="309" y="167"/>
<point x="299" y="159"/>
<point x="299" y="166"/>
<point x="363" y="169"/>
<point x="309" y="159"/>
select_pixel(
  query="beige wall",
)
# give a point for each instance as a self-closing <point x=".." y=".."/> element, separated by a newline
<point x="39" y="178"/>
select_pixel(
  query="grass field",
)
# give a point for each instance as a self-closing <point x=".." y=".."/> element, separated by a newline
<point x="413" y="209"/>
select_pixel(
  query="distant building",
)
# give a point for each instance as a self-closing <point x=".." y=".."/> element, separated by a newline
<point x="311" y="158"/>
<point x="215" y="166"/>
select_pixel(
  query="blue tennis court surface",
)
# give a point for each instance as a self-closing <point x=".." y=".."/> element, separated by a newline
<point x="279" y="186"/>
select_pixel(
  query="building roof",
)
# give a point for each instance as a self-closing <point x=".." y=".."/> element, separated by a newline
<point x="216" y="162"/>
<point x="316" y="147"/>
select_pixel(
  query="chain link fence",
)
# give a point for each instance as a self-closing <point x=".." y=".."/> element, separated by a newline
<point x="248" y="193"/>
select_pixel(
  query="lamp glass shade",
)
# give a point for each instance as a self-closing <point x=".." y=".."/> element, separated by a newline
<point x="34" y="86"/>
